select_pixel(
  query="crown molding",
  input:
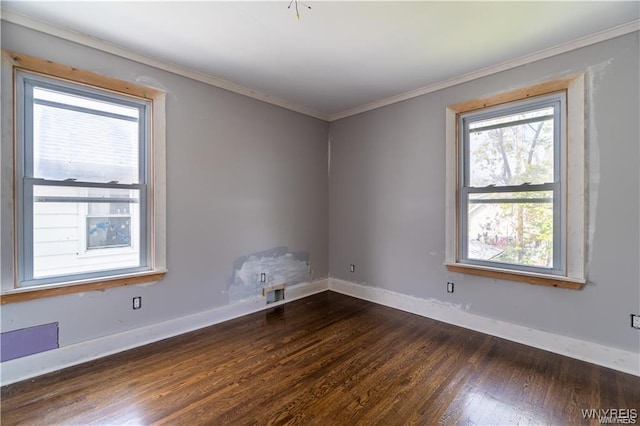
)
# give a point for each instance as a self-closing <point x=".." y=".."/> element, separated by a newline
<point x="93" y="42"/>
<point x="598" y="37"/>
<point x="105" y="46"/>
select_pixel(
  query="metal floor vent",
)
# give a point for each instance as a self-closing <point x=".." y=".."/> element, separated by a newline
<point x="275" y="293"/>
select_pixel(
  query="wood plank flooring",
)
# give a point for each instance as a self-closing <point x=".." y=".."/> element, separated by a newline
<point x="328" y="359"/>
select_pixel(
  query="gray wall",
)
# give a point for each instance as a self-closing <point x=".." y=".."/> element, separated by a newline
<point x="387" y="184"/>
<point x="243" y="176"/>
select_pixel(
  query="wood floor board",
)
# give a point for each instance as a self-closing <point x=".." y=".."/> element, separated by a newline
<point x="326" y="359"/>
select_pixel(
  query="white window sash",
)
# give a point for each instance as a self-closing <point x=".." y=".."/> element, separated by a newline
<point x="25" y="83"/>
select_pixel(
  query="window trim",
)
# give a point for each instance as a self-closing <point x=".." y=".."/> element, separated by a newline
<point x="574" y="232"/>
<point x="11" y="63"/>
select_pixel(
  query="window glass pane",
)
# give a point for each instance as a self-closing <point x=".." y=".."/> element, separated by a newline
<point x="97" y="209"/>
<point x="512" y="149"/>
<point x="511" y="227"/>
<point x="84" y="139"/>
<point x="82" y="230"/>
<point x="50" y="95"/>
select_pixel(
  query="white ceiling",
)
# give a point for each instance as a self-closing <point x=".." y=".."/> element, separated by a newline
<point x="340" y="55"/>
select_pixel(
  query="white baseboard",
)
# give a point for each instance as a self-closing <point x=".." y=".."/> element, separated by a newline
<point x="617" y="359"/>
<point x="45" y="362"/>
<point x="57" y="359"/>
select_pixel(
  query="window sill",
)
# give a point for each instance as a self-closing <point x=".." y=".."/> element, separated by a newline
<point x="525" y="277"/>
<point x="30" y="293"/>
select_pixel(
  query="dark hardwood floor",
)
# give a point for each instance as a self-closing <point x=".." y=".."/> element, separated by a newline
<point x="326" y="359"/>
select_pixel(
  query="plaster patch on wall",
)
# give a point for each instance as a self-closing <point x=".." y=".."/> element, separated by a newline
<point x="594" y="75"/>
<point x="442" y="303"/>
<point x="280" y="266"/>
<point x="94" y="294"/>
<point x="366" y="288"/>
<point x="150" y="82"/>
<point x="153" y="82"/>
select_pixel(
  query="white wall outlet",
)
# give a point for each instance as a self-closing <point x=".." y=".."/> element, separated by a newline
<point x="352" y="267"/>
<point x="449" y="287"/>
<point x="635" y="321"/>
<point x="137" y="302"/>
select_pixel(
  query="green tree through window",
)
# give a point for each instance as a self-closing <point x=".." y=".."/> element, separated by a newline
<point x="511" y="180"/>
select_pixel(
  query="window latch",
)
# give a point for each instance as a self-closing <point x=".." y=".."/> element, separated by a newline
<point x="113" y="182"/>
<point x="70" y="179"/>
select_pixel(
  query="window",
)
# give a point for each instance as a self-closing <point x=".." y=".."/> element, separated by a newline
<point x="511" y="180"/>
<point x="89" y="205"/>
<point x="511" y="188"/>
<point x="82" y="159"/>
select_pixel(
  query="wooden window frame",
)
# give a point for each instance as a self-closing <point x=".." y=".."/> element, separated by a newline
<point x="11" y="63"/>
<point x="574" y="232"/>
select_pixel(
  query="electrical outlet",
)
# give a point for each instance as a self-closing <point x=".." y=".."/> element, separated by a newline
<point x="263" y="277"/>
<point x="635" y="321"/>
<point x="137" y="302"/>
<point x="352" y="268"/>
<point x="449" y="287"/>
